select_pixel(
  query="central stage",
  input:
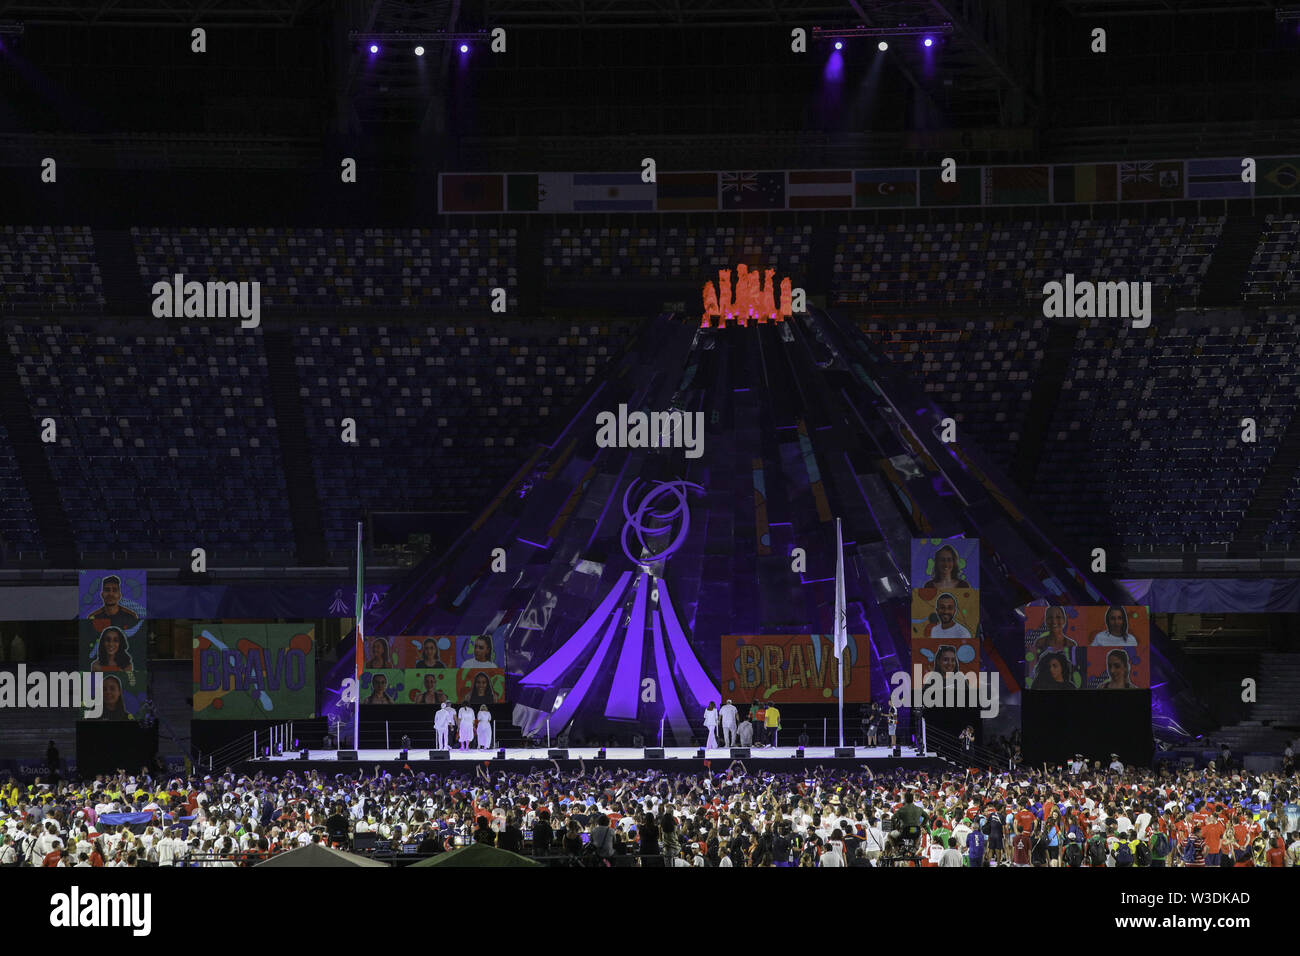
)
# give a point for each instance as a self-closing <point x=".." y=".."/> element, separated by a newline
<point x="674" y="759"/>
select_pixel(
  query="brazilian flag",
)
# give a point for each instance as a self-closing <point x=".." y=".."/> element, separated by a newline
<point x="1278" y="177"/>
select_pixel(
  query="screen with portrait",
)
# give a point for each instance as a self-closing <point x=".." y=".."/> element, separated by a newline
<point x="1087" y="648"/>
<point x="945" y="630"/>
<point x="122" y="662"/>
<point x="946" y="563"/>
<point x="428" y="669"/>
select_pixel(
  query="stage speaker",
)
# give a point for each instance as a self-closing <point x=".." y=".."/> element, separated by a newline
<point x="558" y="754"/>
<point x="739" y="753"/>
<point x="654" y="753"/>
<point x="305" y="754"/>
<point x="600" y="754"/>
<point x="347" y="755"/>
<point x="700" y="753"/>
<point x="843" y="752"/>
<point x="898" y="751"/>
<point x="439" y="754"/>
<point x="501" y="754"/>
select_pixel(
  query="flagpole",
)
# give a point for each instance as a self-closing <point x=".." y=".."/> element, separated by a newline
<point x="360" y="648"/>
<point x="841" y="620"/>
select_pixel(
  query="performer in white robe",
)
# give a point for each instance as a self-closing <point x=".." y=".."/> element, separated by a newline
<point x="442" y="722"/>
<point x="465" y="732"/>
<point x="484" y="727"/>
<point x="745" y="733"/>
<point x="730" y="717"/>
<point x="711" y="724"/>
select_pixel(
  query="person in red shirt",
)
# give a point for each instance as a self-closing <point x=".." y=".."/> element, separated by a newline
<point x="55" y="856"/>
<point x="1025" y="820"/>
<point x="1022" y="845"/>
<point x="1276" y="855"/>
<point x="1212" y="831"/>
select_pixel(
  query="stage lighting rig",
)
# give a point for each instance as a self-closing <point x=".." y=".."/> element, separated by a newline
<point x="928" y="34"/>
<point x="417" y="43"/>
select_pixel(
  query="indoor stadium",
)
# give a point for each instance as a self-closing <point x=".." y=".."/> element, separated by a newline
<point x="630" y="435"/>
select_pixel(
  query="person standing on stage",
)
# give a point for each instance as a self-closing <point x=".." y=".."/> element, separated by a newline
<point x="893" y="726"/>
<point x="484" y="727"/>
<point x="772" y="722"/>
<point x="729" y="717"/>
<point x="465" y="732"/>
<point x="442" y="722"/>
<point x="756" y="721"/>
<point x="711" y="725"/>
<point x="745" y="733"/>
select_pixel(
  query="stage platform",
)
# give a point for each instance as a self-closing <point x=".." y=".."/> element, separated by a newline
<point x="674" y="759"/>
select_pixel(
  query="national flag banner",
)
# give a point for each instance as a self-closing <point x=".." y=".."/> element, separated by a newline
<point x="612" y="192"/>
<point x="1085" y="182"/>
<point x="820" y="189"/>
<point x="1215" y="179"/>
<point x="360" y="605"/>
<point x="841" y="608"/>
<point x="753" y="190"/>
<point x="1016" y="185"/>
<point x="478" y="192"/>
<point x="522" y="192"/>
<point x="555" y="192"/>
<point x="966" y="191"/>
<point x="679" y="192"/>
<point x="1151" y="179"/>
<point x="1278" y="176"/>
<point x="884" y="187"/>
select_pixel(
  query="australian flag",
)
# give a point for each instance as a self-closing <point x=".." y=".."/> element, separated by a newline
<point x="751" y="190"/>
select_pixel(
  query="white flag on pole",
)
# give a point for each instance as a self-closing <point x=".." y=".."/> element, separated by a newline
<point x="841" y="612"/>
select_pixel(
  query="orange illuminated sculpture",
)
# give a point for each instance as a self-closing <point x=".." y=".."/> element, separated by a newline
<point x="754" y="298"/>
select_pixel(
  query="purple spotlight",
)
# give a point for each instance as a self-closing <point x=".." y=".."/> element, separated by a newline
<point x="929" y="41"/>
<point x="839" y="45"/>
<point x="374" y="48"/>
<point x="464" y="48"/>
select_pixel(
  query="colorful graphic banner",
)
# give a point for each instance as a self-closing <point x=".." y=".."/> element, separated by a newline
<point x="1087" y="648"/>
<point x="945" y="629"/>
<point x="254" y="671"/>
<point x="793" y="668"/>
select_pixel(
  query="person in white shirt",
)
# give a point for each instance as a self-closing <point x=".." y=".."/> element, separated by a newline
<point x="711" y="725"/>
<point x="442" y="726"/>
<point x="729" y="716"/>
<point x="1116" y="633"/>
<point x="951" y="856"/>
<point x="465" y="730"/>
<point x="745" y="734"/>
<point x="482" y="654"/>
<point x="833" y="855"/>
<point x="948" y="629"/>
<point x="1142" y="822"/>
<point x="484" y="727"/>
<point x="1116" y="764"/>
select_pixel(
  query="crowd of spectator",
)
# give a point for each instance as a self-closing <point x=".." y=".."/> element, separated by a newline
<point x="1075" y="815"/>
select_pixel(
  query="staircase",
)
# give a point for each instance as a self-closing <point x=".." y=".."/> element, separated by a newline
<point x="124" y="292"/>
<point x="1226" y="278"/>
<point x="1042" y="405"/>
<point x="1275" y="717"/>
<point x="1271" y="493"/>
<point x="295" y="450"/>
<point x="29" y="452"/>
